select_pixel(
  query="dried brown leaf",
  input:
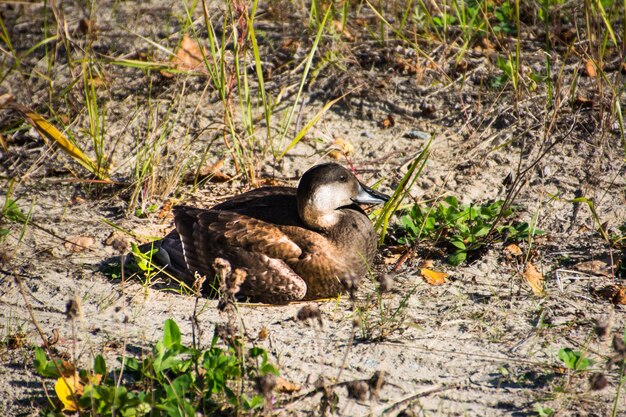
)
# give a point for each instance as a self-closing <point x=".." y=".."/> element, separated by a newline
<point x="286" y="387"/>
<point x="581" y="102"/>
<point x="340" y="148"/>
<point x="189" y="57"/>
<point x="212" y="173"/>
<point x="590" y="68"/>
<point x="79" y="243"/>
<point x="534" y="278"/>
<point x="392" y="258"/>
<point x="595" y="267"/>
<point x="513" y="250"/>
<point x="613" y="293"/>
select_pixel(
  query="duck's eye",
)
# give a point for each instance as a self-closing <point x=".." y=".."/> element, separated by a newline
<point x="343" y="178"/>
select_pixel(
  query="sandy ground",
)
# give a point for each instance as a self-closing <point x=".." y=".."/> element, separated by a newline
<point x="480" y="345"/>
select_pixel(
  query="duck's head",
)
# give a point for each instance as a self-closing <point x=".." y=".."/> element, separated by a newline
<point x="325" y="188"/>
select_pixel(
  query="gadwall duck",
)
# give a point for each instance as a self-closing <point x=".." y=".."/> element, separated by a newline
<point x="293" y="244"/>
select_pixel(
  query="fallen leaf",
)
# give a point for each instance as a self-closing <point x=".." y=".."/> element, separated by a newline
<point x="50" y="133"/>
<point x="433" y="277"/>
<point x="391" y="259"/>
<point x="189" y="57"/>
<point x="212" y="173"/>
<point x="428" y="263"/>
<point x="595" y="267"/>
<point x="590" y="69"/>
<point x="79" y="243"/>
<point x="513" y="250"/>
<point x="286" y="387"/>
<point x="340" y="147"/>
<point x="263" y="333"/>
<point x="534" y="278"/>
<point x="69" y="389"/>
<point x="118" y="241"/>
<point x="341" y="28"/>
<point x="387" y="122"/>
<point x="581" y="102"/>
<point x="613" y="293"/>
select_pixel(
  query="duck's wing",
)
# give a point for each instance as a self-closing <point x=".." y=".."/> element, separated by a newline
<point x="207" y="232"/>
<point x="258" y="247"/>
<point x="260" y="197"/>
<point x="276" y="205"/>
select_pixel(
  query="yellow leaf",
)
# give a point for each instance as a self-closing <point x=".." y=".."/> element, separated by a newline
<point x="340" y="147"/>
<point x="69" y="389"/>
<point x="285" y="386"/>
<point x="433" y="277"/>
<point x="534" y="278"/>
<point x="50" y="133"/>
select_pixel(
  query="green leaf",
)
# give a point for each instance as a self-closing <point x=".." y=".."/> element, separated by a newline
<point x="457" y="258"/>
<point x="458" y="243"/>
<point x="481" y="230"/>
<point x="574" y="360"/>
<point x="171" y="334"/>
<point x="254" y="402"/>
<point x="44" y="367"/>
<point x="452" y="201"/>
<point x="41" y="361"/>
<point x="99" y="365"/>
<point x="131" y="364"/>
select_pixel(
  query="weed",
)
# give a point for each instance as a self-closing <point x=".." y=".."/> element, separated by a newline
<point x="574" y="359"/>
<point x="378" y="318"/>
<point x="543" y="411"/>
<point x="172" y="380"/>
<point x="464" y="228"/>
<point x="381" y="222"/>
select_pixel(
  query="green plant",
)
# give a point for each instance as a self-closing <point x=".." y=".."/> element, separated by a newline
<point x="378" y="318"/>
<point x="463" y="228"/>
<point x="11" y="213"/>
<point x="382" y="216"/>
<point x="143" y="259"/>
<point x="509" y="72"/>
<point x="543" y="411"/>
<point x="574" y="359"/>
<point x="172" y="380"/>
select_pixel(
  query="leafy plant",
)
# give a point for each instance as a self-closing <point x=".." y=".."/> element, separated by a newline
<point x="505" y="18"/>
<point x="543" y="411"/>
<point x="463" y="228"/>
<point x="574" y="360"/>
<point x="173" y="380"/>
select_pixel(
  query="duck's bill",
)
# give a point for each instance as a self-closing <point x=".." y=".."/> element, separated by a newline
<point x="367" y="195"/>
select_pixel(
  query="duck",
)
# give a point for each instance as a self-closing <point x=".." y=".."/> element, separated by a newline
<point x="293" y="244"/>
